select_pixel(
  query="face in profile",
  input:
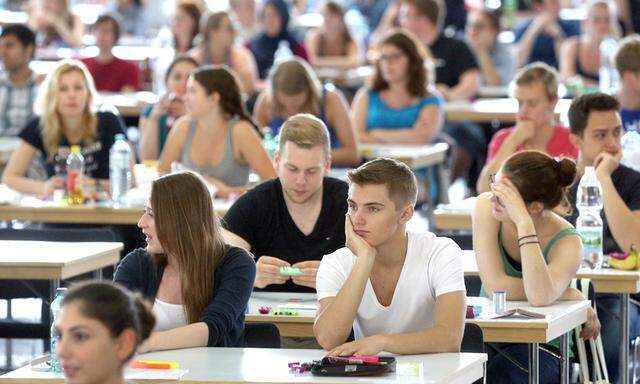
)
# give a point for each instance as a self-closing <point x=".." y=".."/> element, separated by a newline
<point x="197" y="101"/>
<point x="301" y="171"/>
<point x="148" y="226"/>
<point x="72" y="94"/>
<point x="374" y="215"/>
<point x="88" y="352"/>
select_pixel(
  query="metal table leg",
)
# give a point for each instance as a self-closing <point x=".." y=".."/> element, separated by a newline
<point x="533" y="363"/>
<point x="564" y="358"/>
<point x="97" y="274"/>
<point x="624" y="338"/>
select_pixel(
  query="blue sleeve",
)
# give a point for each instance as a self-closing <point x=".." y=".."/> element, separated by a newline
<point x="130" y="272"/>
<point x="521" y="29"/>
<point x="224" y="316"/>
<point x="146" y="112"/>
<point x="433" y="100"/>
<point x="504" y="62"/>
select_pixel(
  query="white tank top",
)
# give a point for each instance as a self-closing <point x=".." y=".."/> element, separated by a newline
<point x="168" y="316"/>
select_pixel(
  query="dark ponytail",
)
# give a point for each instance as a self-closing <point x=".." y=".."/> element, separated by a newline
<point x="540" y="177"/>
<point x="115" y="307"/>
<point x="223" y="80"/>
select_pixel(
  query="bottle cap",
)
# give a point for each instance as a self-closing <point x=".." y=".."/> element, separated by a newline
<point x="61" y="291"/>
<point x="75" y="149"/>
<point x="119" y="136"/>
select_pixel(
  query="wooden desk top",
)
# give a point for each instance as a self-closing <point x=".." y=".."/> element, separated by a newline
<point x="46" y="260"/>
<point x="262" y="365"/>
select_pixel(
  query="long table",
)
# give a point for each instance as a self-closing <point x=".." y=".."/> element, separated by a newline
<point x="254" y="365"/>
<point x="503" y="110"/>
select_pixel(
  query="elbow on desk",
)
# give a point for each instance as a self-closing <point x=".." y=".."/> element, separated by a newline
<point x="326" y="340"/>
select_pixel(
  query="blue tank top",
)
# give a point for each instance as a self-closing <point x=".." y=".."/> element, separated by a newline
<point x="382" y="116"/>
<point x="276" y="123"/>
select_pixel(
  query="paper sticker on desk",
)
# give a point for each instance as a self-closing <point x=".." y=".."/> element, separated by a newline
<point x="515" y="313"/>
<point x="154" y="364"/>
<point x="290" y="271"/>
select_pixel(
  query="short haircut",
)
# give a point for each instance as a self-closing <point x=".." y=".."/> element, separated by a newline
<point x="433" y="10"/>
<point x="115" y="24"/>
<point x="306" y="131"/>
<point x="396" y="176"/>
<point x="21" y="32"/>
<point x="581" y="106"/>
<point x="628" y="55"/>
<point x="542" y="73"/>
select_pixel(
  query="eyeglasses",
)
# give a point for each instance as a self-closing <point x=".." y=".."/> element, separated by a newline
<point x="391" y="57"/>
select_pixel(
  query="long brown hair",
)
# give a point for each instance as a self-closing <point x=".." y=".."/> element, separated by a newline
<point x="293" y="77"/>
<point x="189" y="230"/>
<point x="193" y="11"/>
<point x="223" y="80"/>
<point x="417" y="74"/>
<point x="334" y="7"/>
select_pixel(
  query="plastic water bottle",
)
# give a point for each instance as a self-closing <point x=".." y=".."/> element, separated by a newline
<point x="609" y="78"/>
<point x="589" y="222"/>
<point x="75" y="171"/>
<point x="269" y="142"/>
<point x="55" y="310"/>
<point x="509" y="14"/>
<point x="119" y="174"/>
<point x="283" y="52"/>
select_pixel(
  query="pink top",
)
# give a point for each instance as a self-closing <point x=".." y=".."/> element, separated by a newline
<point x="558" y="146"/>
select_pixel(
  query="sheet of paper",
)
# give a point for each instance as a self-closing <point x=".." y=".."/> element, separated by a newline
<point x="154" y="374"/>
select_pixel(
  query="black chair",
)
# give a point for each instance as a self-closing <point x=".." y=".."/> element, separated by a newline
<point x="261" y="335"/>
<point x="473" y="342"/>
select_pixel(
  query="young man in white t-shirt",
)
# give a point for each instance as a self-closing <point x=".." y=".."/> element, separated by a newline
<point x="401" y="292"/>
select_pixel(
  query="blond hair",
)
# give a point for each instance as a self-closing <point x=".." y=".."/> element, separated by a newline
<point x="542" y="73"/>
<point x="293" y="77"/>
<point x="396" y="176"/>
<point x="628" y="55"/>
<point x="306" y="131"/>
<point x="46" y="106"/>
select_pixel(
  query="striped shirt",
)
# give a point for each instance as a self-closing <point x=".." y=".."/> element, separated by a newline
<point x="16" y="105"/>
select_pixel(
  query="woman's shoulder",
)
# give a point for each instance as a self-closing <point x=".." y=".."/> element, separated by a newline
<point x="236" y="257"/>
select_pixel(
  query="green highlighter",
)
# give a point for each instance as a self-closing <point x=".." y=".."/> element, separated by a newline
<point x="290" y="271"/>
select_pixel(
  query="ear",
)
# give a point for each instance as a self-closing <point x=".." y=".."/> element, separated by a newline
<point x="535" y="207"/>
<point x="215" y="97"/>
<point x="575" y="140"/>
<point x="553" y="103"/>
<point x="327" y="167"/>
<point x="276" y="160"/>
<point x="126" y="344"/>
<point x="407" y="214"/>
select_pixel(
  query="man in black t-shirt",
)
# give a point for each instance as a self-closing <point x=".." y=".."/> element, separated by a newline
<point x="295" y="219"/>
<point x="596" y="130"/>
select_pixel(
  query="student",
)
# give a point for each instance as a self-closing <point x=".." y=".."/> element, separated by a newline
<point x="293" y="88"/>
<point x="218" y="47"/>
<point x="402" y="292"/>
<point x="397" y="107"/>
<point x="540" y="37"/>
<point x="217" y="138"/>
<point x="494" y="57"/>
<point x="527" y="250"/>
<point x="628" y="66"/>
<point x="18" y="83"/>
<point x="99" y="329"/>
<point x="536" y="128"/>
<point x="332" y="45"/>
<point x="199" y="285"/>
<point x="295" y="219"/>
<point x="244" y="16"/>
<point x="131" y="14"/>
<point x="66" y="116"/>
<point x="110" y="73"/>
<point x="596" y="130"/>
<point x="157" y="119"/>
<point x="275" y="21"/>
<point x="185" y="26"/>
<point x="55" y="24"/>
<point x="580" y="55"/>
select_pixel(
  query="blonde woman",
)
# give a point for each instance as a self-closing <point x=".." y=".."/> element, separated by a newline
<point x="65" y="116"/>
<point x="294" y="88"/>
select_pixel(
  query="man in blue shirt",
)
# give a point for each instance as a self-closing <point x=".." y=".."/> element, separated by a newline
<point x="539" y="38"/>
<point x="628" y="65"/>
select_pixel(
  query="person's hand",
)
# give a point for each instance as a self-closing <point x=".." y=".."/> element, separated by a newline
<point x="523" y="131"/>
<point x="177" y="106"/>
<point x="605" y="163"/>
<point x="160" y="108"/>
<point x="444" y="91"/>
<point x="54" y="182"/>
<point x="309" y="271"/>
<point x="371" y="345"/>
<point x="510" y="198"/>
<point x="268" y="271"/>
<point x="356" y="244"/>
<point x="590" y="329"/>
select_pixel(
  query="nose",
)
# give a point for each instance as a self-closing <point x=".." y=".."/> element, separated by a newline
<point x="142" y="223"/>
<point x="357" y="218"/>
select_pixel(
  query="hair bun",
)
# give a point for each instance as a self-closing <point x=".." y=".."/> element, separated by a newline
<point x="565" y="170"/>
<point x="145" y="316"/>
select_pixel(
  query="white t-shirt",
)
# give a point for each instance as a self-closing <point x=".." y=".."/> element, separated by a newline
<point x="168" y="316"/>
<point x="432" y="267"/>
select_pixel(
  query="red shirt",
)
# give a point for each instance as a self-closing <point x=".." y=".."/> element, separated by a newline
<point x="114" y="75"/>
<point x="558" y="146"/>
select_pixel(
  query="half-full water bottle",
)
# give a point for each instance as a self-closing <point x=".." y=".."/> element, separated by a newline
<point x="609" y="79"/>
<point x="119" y="174"/>
<point x="269" y="142"/>
<point x="75" y="171"/>
<point x="55" y="310"/>
<point x="283" y="52"/>
<point x="589" y="222"/>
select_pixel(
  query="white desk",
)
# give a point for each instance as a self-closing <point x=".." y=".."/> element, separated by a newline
<point x="253" y="365"/>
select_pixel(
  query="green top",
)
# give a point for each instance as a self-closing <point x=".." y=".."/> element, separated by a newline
<point x="514" y="269"/>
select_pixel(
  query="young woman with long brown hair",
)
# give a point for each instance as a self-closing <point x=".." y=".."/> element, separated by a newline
<point x="199" y="285"/>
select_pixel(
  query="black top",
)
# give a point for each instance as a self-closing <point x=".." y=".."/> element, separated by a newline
<point x="261" y="218"/>
<point x="452" y="58"/>
<point x="95" y="152"/>
<point x="224" y="315"/>
<point x="627" y="183"/>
